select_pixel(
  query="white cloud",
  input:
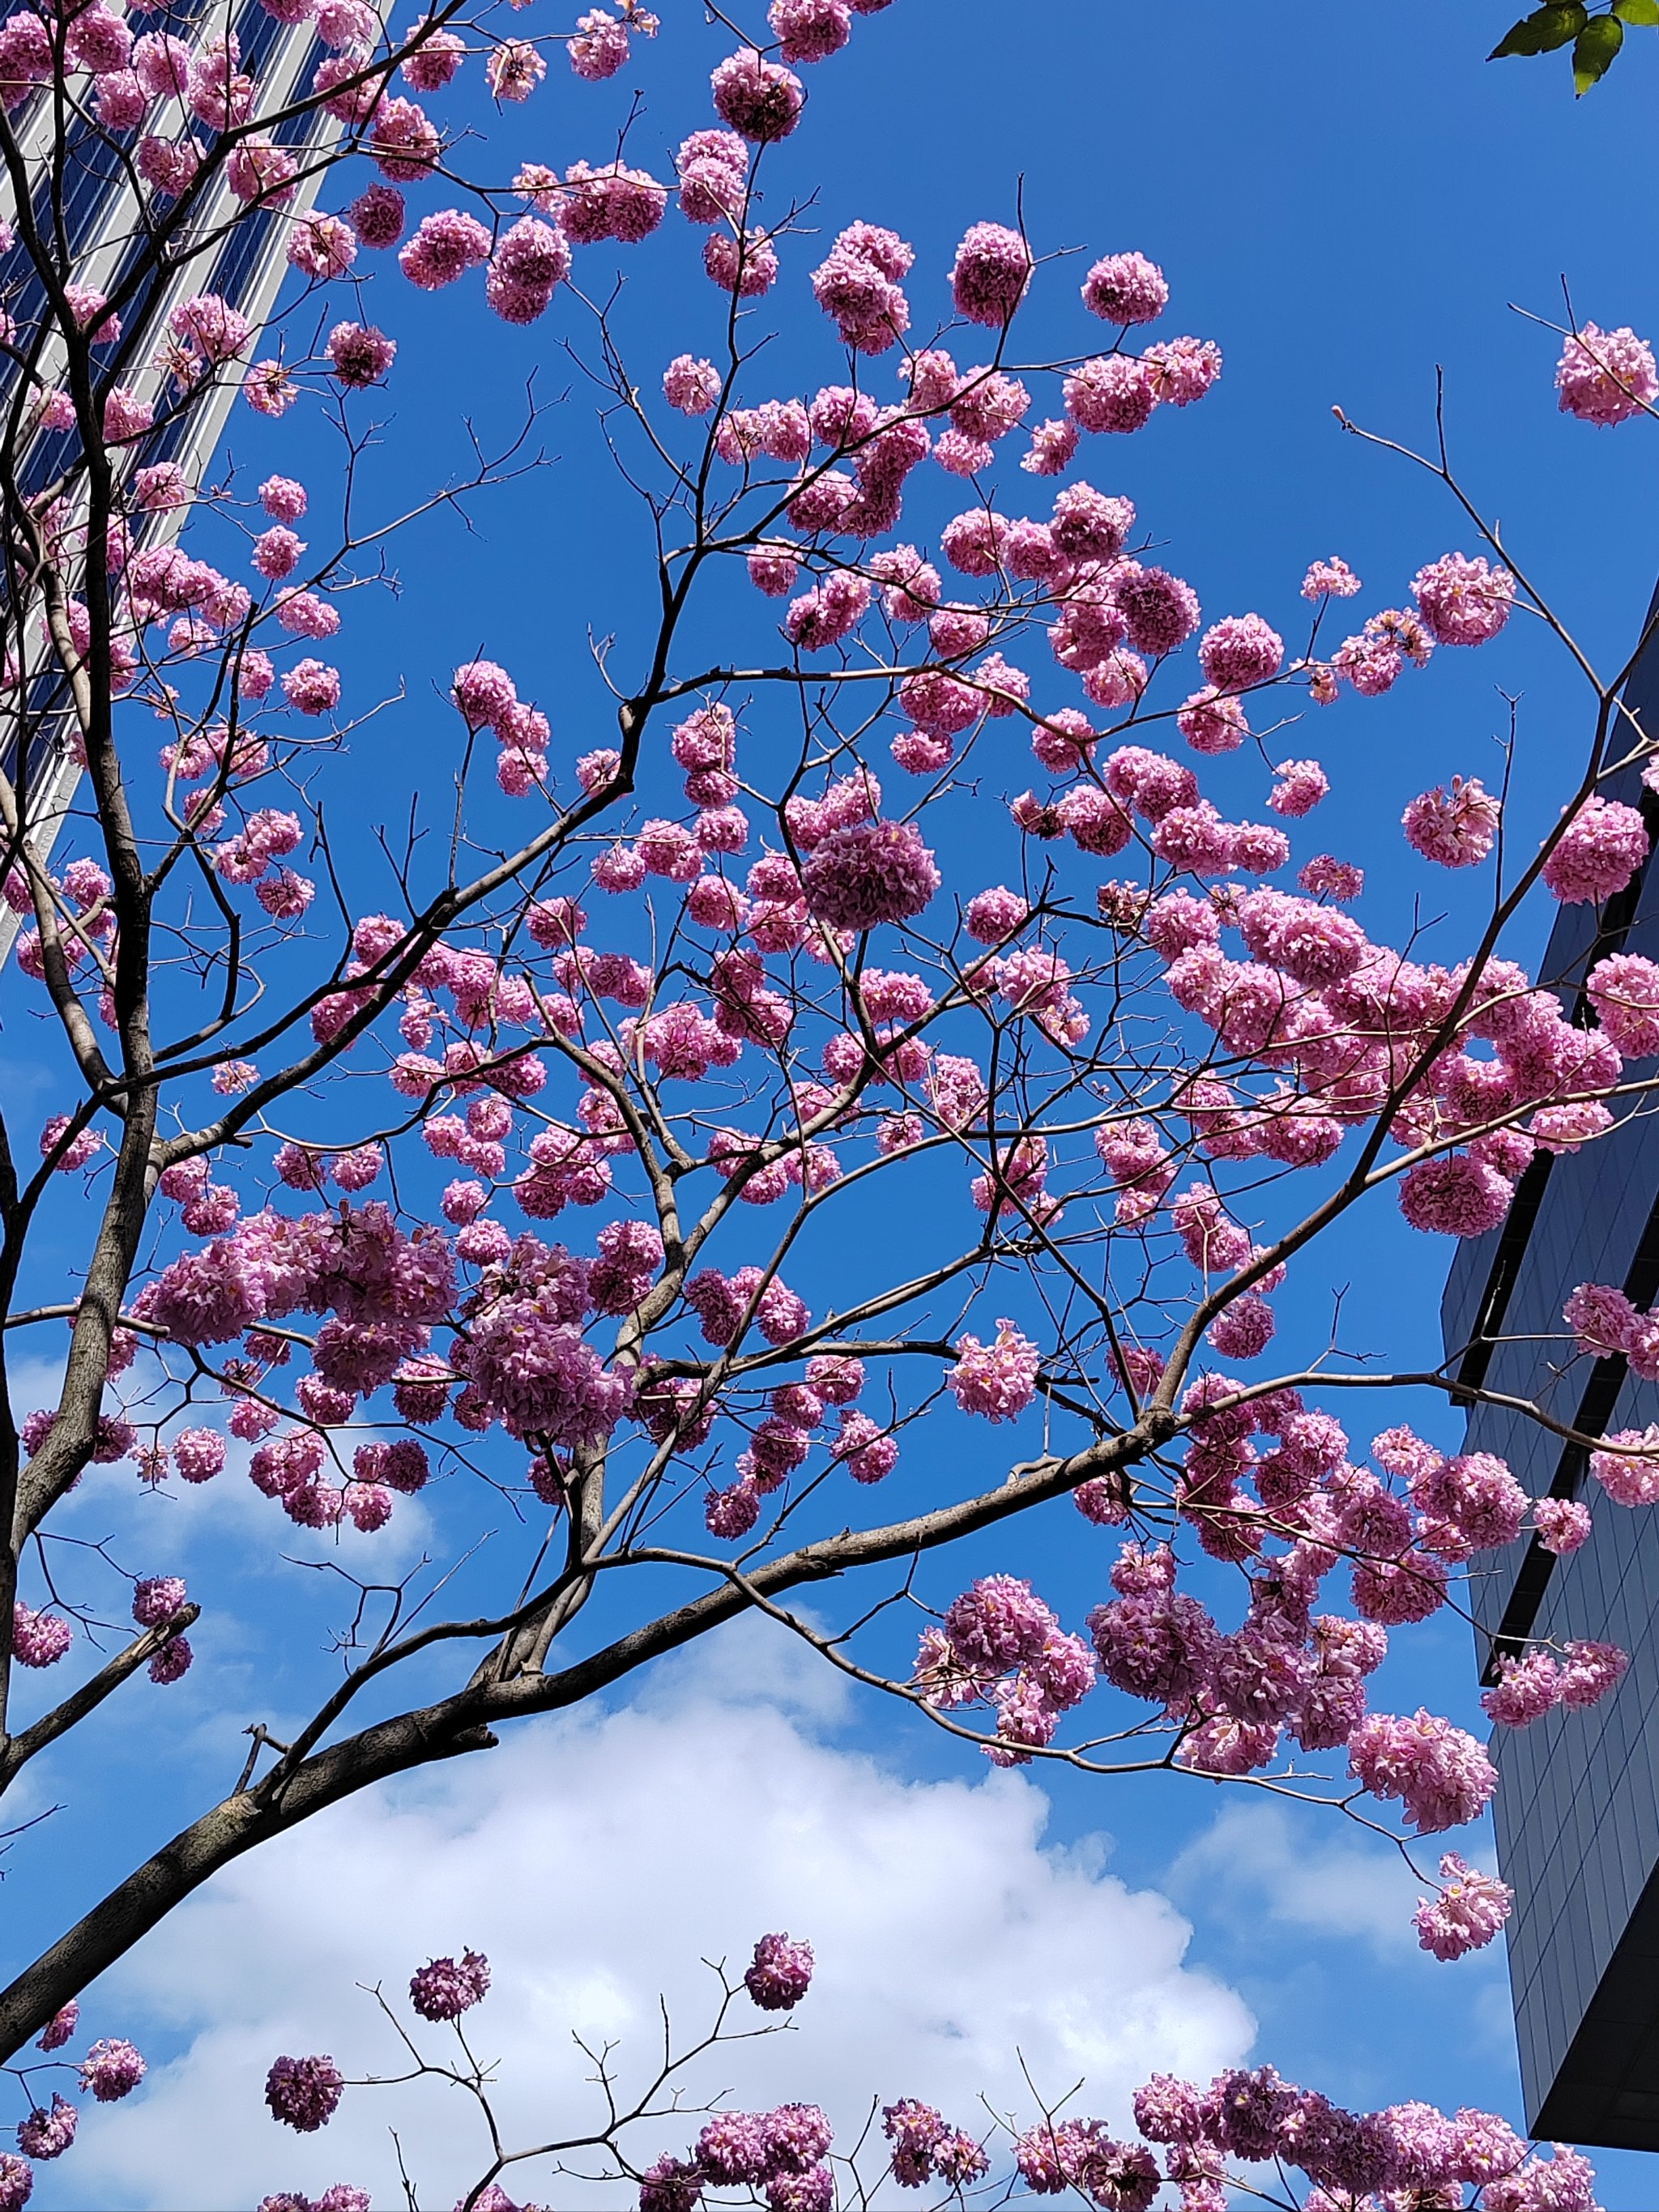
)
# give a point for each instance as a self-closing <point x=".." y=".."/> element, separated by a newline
<point x="597" y="1860"/>
<point x="1256" y="1868"/>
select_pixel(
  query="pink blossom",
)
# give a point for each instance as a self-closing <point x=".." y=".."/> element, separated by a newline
<point x="378" y="218"/>
<point x="1624" y="989"/>
<point x="1160" y="611"/>
<point x="359" y="354"/>
<point x="1080" y="2155"/>
<point x="155" y="1601"/>
<point x="989" y="277"/>
<point x="1181" y="370"/>
<point x="304" y="2093"/>
<point x="712" y="167"/>
<point x="1467" y="1913"/>
<point x="269" y="389"/>
<point x="1606" y="376"/>
<point x="868" y="1455"/>
<point x="993" y="916"/>
<point x="111" y="2069"/>
<point x="780" y="1973"/>
<point x="85" y="1145"/>
<point x="1591" y="1671"/>
<point x="599" y="47"/>
<point x="1456" y="828"/>
<point x="1158" y="1645"/>
<point x="1526" y="1689"/>
<point x="514" y="69"/>
<point x="312" y="687"/>
<point x="1463" y="602"/>
<point x="434" y="61"/>
<point x="39" y="1639"/>
<point x="1562" y="1524"/>
<point x="1331" y="579"/>
<point x="1455" y="1196"/>
<point x="760" y="100"/>
<point x="1053" y="445"/>
<point x="610" y="202"/>
<point x="1440" y="1775"/>
<point x="998" y="1380"/>
<point x="731" y="1513"/>
<point x="48" y="2135"/>
<point x="445" y="244"/>
<point x="1239" y="651"/>
<point x="1126" y="288"/>
<point x="199" y="1454"/>
<point x="1245" y="1329"/>
<point x="1302" y="784"/>
<point x="322" y="245"/>
<point x="691" y="386"/>
<point x="210" y="326"/>
<point x="1111" y="393"/>
<point x="172" y="1661"/>
<point x="1602" y="1319"/>
<point x="445" y="1988"/>
<point x="1598" y="852"/>
<point x="857" y="287"/>
<point x="869" y="873"/>
<point x="1213" y="722"/>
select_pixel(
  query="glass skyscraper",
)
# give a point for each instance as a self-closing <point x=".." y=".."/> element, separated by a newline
<point x="1577" y="1803"/>
<point x="106" y="235"/>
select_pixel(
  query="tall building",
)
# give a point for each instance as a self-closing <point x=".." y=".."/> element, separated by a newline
<point x="105" y="239"/>
<point x="1578" y="1802"/>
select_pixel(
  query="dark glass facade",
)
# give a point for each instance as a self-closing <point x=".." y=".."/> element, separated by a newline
<point x="1578" y="1805"/>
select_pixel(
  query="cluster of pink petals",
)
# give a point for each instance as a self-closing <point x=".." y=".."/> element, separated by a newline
<point x="997" y="1381"/>
<point x="925" y="2147"/>
<point x="111" y="2069"/>
<point x="304" y="2094"/>
<point x="1000" y="1643"/>
<point x="445" y="1988"/>
<point x="1466" y="1913"/>
<point x="781" y="1972"/>
<point x="1440" y="1775"/>
<point x="1456" y="828"/>
<point x="1463" y="602"/>
<point x="1605" y="377"/>
<point x="780" y="2154"/>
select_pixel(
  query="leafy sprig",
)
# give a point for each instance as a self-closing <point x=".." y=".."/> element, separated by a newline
<point x="1595" y="36"/>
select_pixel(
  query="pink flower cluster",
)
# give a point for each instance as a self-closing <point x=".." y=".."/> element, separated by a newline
<point x="1440" y="1775"/>
<point x="997" y="1381"/>
<point x="925" y="2147"/>
<point x="1000" y="1645"/>
<point x="1466" y="1911"/>
<point x="1605" y="377"/>
<point x="445" y="1988"/>
<point x="781" y="1972"/>
<point x="304" y="2094"/>
<point x="780" y="2154"/>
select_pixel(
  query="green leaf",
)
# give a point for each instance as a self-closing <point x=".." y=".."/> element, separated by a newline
<point x="1644" y="13"/>
<point x="1544" y="30"/>
<point x="1521" y="38"/>
<point x="1593" y="50"/>
<point x="1568" y="20"/>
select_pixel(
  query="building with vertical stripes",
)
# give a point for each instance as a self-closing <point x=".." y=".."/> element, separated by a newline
<point x="1577" y="1803"/>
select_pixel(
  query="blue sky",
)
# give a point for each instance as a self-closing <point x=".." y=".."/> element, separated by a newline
<point x="1342" y="207"/>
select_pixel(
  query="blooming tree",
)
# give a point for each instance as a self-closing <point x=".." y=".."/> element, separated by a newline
<point x="1247" y="2129"/>
<point x="711" y="983"/>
